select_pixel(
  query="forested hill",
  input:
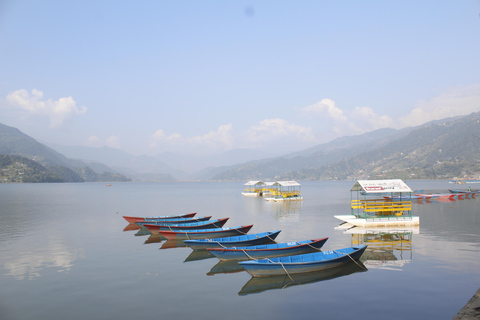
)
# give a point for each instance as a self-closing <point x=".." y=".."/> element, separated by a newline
<point x="438" y="151"/>
<point x="26" y="160"/>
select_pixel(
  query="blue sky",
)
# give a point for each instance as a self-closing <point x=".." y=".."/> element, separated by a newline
<point x="202" y="77"/>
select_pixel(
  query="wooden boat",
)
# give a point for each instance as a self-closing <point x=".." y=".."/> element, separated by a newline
<point x="174" y="221"/>
<point x="132" y="219"/>
<point x="205" y="233"/>
<point x="302" y="263"/>
<point x="268" y="250"/>
<point x="217" y="223"/>
<point x="242" y="240"/>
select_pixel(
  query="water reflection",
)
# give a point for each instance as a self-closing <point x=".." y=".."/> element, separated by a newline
<point x="387" y="248"/>
<point x="261" y="284"/>
<point x="199" y="255"/>
<point x="172" y="243"/>
<point x="132" y="227"/>
<point x="30" y="264"/>
<point x="286" y="211"/>
<point x="155" y="238"/>
<point x="225" y="267"/>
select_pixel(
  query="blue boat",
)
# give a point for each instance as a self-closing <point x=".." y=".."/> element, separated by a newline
<point x="268" y="250"/>
<point x="242" y="240"/>
<point x="302" y="263"/>
<point x="205" y="233"/>
<point x="174" y="221"/>
<point x="156" y="228"/>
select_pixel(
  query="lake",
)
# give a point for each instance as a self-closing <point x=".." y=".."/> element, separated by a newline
<point x="65" y="253"/>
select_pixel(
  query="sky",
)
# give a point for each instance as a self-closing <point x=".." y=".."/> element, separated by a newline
<point x="204" y="77"/>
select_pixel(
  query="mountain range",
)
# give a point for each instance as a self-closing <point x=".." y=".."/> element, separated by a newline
<point x="440" y="149"/>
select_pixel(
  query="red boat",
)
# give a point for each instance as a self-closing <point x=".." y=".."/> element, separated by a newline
<point x="131" y="219"/>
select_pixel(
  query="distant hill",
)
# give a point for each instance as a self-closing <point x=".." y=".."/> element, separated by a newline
<point x="440" y="150"/>
<point x="375" y="154"/>
<point x="13" y="142"/>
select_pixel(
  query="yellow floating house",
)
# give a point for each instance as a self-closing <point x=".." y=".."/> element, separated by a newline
<point x="380" y="203"/>
<point x="284" y="191"/>
<point x="253" y="188"/>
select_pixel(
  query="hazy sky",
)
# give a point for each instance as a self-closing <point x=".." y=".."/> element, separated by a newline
<point x="208" y="76"/>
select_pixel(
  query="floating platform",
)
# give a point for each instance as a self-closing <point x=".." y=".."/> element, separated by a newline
<point x="390" y="221"/>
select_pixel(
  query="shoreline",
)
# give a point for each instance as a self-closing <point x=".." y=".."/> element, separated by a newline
<point x="471" y="310"/>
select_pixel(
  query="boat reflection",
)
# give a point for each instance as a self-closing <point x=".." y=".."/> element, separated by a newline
<point x="261" y="284"/>
<point x="154" y="238"/>
<point x="199" y="255"/>
<point x="225" y="267"/>
<point x="131" y="227"/>
<point x="143" y="232"/>
<point x="172" y="243"/>
<point x="387" y="248"/>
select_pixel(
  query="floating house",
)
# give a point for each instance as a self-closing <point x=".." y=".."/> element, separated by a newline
<point x="284" y="191"/>
<point x="380" y="203"/>
<point x="253" y="189"/>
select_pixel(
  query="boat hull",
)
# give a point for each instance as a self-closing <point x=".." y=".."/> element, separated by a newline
<point x="268" y="251"/>
<point x="218" y="223"/>
<point x="309" y="262"/>
<point x="174" y="221"/>
<point x="205" y="233"/>
<point x="132" y="219"/>
<point x="242" y="240"/>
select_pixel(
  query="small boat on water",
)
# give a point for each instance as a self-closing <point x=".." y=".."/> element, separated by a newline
<point x="464" y="191"/>
<point x="132" y="219"/>
<point x="268" y="250"/>
<point x="217" y="223"/>
<point x="302" y="263"/>
<point x="174" y="221"/>
<point x="242" y="240"/>
<point x="205" y="233"/>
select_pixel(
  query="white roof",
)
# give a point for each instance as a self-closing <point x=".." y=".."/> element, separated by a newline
<point x="288" y="183"/>
<point x="380" y="186"/>
<point x="252" y="183"/>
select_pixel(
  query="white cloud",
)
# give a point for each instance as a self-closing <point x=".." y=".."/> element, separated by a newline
<point x="269" y="130"/>
<point x="218" y="140"/>
<point x="366" y="119"/>
<point x="58" y="111"/>
<point x="455" y="101"/>
<point x="326" y="108"/>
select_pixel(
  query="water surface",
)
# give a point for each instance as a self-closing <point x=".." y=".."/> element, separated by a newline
<point x="64" y="254"/>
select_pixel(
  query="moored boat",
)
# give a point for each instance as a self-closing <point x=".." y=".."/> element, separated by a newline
<point x="205" y="233"/>
<point x="217" y="223"/>
<point x="174" y="221"/>
<point x="132" y="219"/>
<point x="242" y="240"/>
<point x="268" y="250"/>
<point x="302" y="263"/>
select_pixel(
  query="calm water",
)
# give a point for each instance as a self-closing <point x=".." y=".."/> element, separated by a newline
<point x="64" y="254"/>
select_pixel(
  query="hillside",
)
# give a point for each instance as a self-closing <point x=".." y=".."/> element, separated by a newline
<point x="54" y="167"/>
<point x="437" y="151"/>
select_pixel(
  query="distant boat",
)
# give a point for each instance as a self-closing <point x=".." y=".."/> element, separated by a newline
<point x="238" y="240"/>
<point x="268" y="250"/>
<point x="302" y="263"/>
<point x="135" y="219"/>
<point x="206" y="233"/>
